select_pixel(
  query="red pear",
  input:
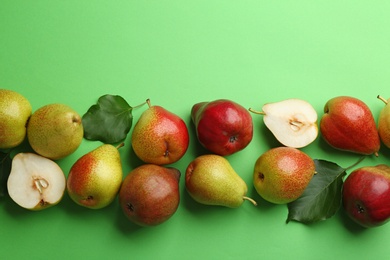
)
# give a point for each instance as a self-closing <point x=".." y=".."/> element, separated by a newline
<point x="222" y="126"/>
<point x="348" y="124"/>
<point x="366" y="195"/>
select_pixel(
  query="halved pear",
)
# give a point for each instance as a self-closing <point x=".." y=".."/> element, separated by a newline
<point x="35" y="182"/>
<point x="293" y="121"/>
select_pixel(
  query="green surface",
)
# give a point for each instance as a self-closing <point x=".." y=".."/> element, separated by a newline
<point x="178" y="53"/>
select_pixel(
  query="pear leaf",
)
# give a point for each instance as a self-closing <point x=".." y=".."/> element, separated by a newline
<point x="5" y="169"/>
<point x="322" y="197"/>
<point x="109" y="120"/>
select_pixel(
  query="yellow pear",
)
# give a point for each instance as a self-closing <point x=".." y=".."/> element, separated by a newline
<point x="211" y="180"/>
<point x="15" y="110"/>
<point x="55" y="131"/>
<point x="95" y="179"/>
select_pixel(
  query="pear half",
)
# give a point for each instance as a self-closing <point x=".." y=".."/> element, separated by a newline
<point x="35" y="182"/>
<point x="293" y="122"/>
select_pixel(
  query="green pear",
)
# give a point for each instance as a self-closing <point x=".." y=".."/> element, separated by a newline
<point x="55" y="131"/>
<point x="384" y="123"/>
<point x="15" y="110"/>
<point x="159" y="136"/>
<point x="281" y="174"/>
<point x="211" y="180"/>
<point x="95" y="178"/>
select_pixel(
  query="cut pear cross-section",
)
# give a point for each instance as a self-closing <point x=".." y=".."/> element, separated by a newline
<point x="35" y="182"/>
<point x="293" y="122"/>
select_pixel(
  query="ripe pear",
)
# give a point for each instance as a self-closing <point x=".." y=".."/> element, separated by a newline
<point x="222" y="126"/>
<point x="159" y="136"/>
<point x="281" y="174"/>
<point x="95" y="178"/>
<point x="384" y="123"/>
<point x="150" y="194"/>
<point x="15" y="110"/>
<point x="211" y="180"/>
<point x="35" y="182"/>
<point x="348" y="125"/>
<point x="293" y="122"/>
<point x="55" y="131"/>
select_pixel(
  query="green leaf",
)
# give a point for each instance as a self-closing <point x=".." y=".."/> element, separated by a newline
<point x="5" y="169"/>
<point x="109" y="120"/>
<point x="322" y="197"/>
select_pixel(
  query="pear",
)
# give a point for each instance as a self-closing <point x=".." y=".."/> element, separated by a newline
<point x="293" y="122"/>
<point x="384" y="123"/>
<point x="35" y="182"/>
<point x="348" y="125"/>
<point x="281" y="174"/>
<point x="95" y="178"/>
<point x="211" y="180"/>
<point x="15" y="110"/>
<point x="55" y="131"/>
<point x="150" y="194"/>
<point x="159" y="136"/>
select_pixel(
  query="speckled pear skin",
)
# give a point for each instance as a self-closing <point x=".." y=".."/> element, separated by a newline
<point x="95" y="179"/>
<point x="348" y="125"/>
<point x="211" y="180"/>
<point x="160" y="136"/>
<point x="55" y="131"/>
<point x="15" y="110"/>
<point x="282" y="174"/>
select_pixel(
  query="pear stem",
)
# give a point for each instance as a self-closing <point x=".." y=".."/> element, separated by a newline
<point x="120" y="145"/>
<point x="143" y="103"/>
<point x="256" y="112"/>
<point x="356" y="163"/>
<point x="148" y="102"/>
<point x="250" y="199"/>
<point x="383" y="99"/>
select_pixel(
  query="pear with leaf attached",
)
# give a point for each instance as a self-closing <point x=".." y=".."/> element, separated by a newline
<point x="15" y="110"/>
<point x="94" y="179"/>
<point x="211" y="180"/>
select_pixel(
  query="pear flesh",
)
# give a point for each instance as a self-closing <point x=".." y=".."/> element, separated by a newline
<point x="293" y="122"/>
<point x="55" y="131"/>
<point x="95" y="179"/>
<point x="15" y="110"/>
<point x="211" y="180"/>
<point x="35" y="182"/>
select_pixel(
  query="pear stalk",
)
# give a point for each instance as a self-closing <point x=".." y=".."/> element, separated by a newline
<point x="256" y="112"/>
<point x="250" y="199"/>
<point x="382" y="98"/>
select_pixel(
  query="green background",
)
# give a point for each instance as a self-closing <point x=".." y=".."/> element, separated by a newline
<point x="178" y="53"/>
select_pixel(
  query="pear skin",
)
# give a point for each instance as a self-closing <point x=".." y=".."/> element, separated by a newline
<point x="348" y="125"/>
<point x="282" y="174"/>
<point x="55" y="131"/>
<point x="211" y="180"/>
<point x="150" y="194"/>
<point x="159" y="136"/>
<point x="94" y="179"/>
<point x="15" y="110"/>
<point x="384" y="123"/>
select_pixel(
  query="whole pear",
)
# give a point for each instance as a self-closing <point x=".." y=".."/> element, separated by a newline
<point x="55" y="131"/>
<point x="348" y="124"/>
<point x="95" y="178"/>
<point x="222" y="126"/>
<point x="150" y="194"/>
<point x="159" y="136"/>
<point x="281" y="174"/>
<point x="15" y="110"/>
<point x="366" y="195"/>
<point x="384" y="123"/>
<point x="211" y="180"/>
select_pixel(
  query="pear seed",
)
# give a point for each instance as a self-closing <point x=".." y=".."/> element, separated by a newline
<point x="40" y="184"/>
<point x="296" y="125"/>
